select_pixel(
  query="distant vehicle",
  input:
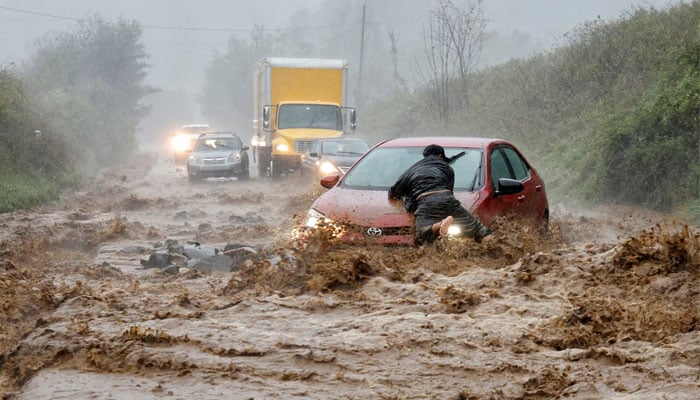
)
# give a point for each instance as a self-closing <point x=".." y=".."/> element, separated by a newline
<point x="296" y="101"/>
<point x="332" y="156"/>
<point x="492" y="179"/>
<point x="182" y="140"/>
<point x="218" y="154"/>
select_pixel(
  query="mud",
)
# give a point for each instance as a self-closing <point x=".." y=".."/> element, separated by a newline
<point x="606" y="306"/>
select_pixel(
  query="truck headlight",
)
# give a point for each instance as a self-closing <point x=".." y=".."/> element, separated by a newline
<point x="282" y="148"/>
<point x="327" y="168"/>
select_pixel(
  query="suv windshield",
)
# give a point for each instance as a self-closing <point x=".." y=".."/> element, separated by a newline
<point x="211" y="144"/>
<point x="380" y="169"/>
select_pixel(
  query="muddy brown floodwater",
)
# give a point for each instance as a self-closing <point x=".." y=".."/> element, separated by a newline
<point x="608" y="307"/>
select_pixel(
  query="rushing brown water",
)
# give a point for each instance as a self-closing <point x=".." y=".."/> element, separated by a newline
<point x="608" y="306"/>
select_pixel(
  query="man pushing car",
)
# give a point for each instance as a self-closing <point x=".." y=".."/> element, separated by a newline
<point x="426" y="189"/>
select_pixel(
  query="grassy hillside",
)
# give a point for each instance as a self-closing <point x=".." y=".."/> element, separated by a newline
<point x="612" y="116"/>
<point x="33" y="166"/>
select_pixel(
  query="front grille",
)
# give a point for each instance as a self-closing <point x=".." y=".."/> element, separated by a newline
<point x="390" y="231"/>
<point x="301" y="146"/>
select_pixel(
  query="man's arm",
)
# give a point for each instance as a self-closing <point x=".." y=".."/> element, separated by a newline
<point x="451" y="178"/>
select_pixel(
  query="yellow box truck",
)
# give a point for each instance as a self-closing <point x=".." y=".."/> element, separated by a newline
<point x="295" y="101"/>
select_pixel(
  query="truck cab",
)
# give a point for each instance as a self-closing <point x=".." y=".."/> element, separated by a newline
<point x="297" y="101"/>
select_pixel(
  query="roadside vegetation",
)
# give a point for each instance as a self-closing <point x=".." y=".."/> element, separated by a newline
<point x="72" y="108"/>
<point x="611" y="116"/>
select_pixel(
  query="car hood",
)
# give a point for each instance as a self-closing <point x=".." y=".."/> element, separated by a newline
<point x="370" y="207"/>
<point x="341" y="160"/>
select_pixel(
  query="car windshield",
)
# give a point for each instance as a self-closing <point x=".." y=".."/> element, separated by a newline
<point x="309" y="116"/>
<point x="216" y="144"/>
<point x="380" y="169"/>
<point x="344" y="148"/>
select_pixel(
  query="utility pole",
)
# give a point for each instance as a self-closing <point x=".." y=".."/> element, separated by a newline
<point x="358" y="99"/>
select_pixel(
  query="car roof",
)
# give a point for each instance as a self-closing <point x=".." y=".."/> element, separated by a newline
<point x="445" y="141"/>
<point x="196" y="126"/>
<point x="217" y="135"/>
<point x="341" y="139"/>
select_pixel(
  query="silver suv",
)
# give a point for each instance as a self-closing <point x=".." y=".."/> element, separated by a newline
<point x="218" y="154"/>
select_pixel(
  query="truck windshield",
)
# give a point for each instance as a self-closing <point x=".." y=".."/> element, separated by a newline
<point x="308" y="116"/>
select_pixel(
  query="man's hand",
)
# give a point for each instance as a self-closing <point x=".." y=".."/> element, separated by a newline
<point x="394" y="201"/>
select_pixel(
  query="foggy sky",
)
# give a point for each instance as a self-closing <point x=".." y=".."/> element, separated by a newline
<point x="180" y="54"/>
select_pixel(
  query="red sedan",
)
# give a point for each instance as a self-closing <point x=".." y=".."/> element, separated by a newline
<point x="492" y="179"/>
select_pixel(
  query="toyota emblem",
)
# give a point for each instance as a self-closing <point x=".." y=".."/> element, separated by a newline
<point x="374" y="232"/>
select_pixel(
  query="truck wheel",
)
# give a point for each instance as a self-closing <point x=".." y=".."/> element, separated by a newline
<point x="276" y="169"/>
<point x="263" y="165"/>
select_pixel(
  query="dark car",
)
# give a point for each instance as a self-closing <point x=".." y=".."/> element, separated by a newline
<point x="332" y="156"/>
<point x="492" y="179"/>
<point x="219" y="154"/>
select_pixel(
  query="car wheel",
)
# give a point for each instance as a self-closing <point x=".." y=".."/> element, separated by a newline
<point x="194" y="178"/>
<point x="245" y="174"/>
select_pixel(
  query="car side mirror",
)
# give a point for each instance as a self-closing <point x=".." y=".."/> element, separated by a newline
<point x="245" y="148"/>
<point x="330" y="180"/>
<point x="508" y="186"/>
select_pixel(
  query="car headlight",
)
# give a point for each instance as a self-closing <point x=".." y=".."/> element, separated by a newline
<point x="454" y="230"/>
<point x="312" y="218"/>
<point x="235" y="157"/>
<point x="327" y="168"/>
<point x="191" y="159"/>
<point x="282" y="148"/>
<point x="181" y="143"/>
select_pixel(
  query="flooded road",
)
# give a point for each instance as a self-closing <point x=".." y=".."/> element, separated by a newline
<point x="607" y="307"/>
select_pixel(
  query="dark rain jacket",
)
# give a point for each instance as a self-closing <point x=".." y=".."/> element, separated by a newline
<point x="427" y="175"/>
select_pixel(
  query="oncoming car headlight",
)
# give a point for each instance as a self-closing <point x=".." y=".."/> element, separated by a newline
<point x="181" y="143"/>
<point x="327" y="168"/>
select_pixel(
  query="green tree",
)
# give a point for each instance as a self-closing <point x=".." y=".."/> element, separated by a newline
<point x="90" y="81"/>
